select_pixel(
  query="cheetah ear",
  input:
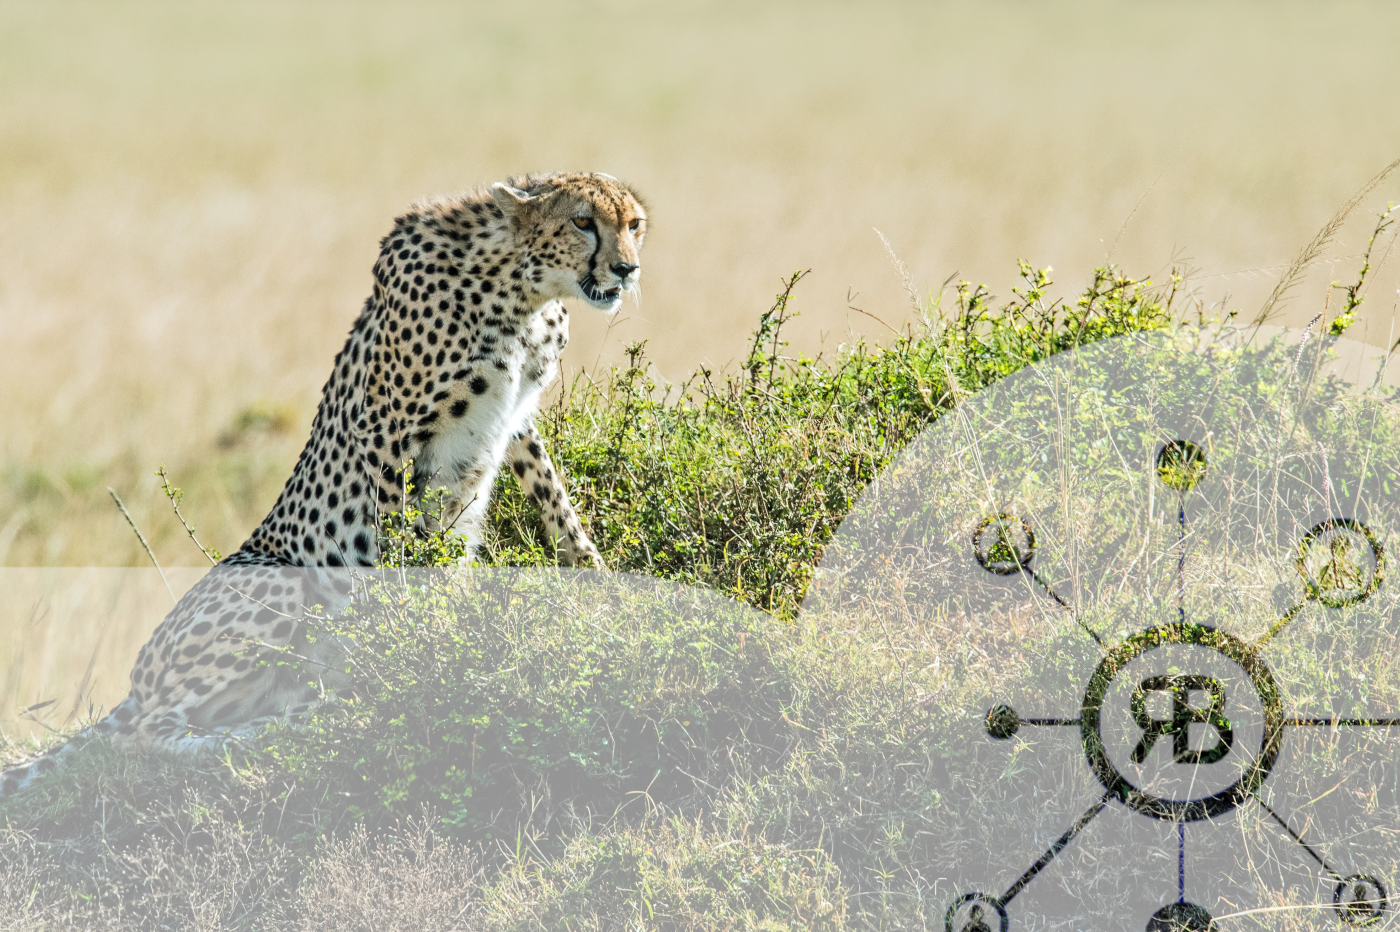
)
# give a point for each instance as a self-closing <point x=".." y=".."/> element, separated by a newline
<point x="509" y="199"/>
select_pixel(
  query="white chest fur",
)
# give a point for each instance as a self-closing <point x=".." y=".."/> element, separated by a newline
<point x="466" y="454"/>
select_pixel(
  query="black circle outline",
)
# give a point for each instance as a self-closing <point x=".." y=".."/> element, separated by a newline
<point x="1004" y="720"/>
<point x="1207" y="807"/>
<point x="1187" y="450"/>
<point x="1377" y="551"/>
<point x="1360" y="878"/>
<point x="1166" y="913"/>
<point x="966" y="897"/>
<point x="1024" y="562"/>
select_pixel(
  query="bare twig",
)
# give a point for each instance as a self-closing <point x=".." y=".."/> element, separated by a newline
<point x="851" y="296"/>
<point x="142" y="538"/>
<point x="1347" y="315"/>
<point x="175" y="495"/>
<point x="770" y="327"/>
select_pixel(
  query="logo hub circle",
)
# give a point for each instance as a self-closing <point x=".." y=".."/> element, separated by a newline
<point x="1183" y="690"/>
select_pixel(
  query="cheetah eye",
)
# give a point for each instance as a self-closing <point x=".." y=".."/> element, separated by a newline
<point x="584" y="223"/>
<point x="635" y="225"/>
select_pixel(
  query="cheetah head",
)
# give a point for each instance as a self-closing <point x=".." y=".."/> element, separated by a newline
<point x="584" y="233"/>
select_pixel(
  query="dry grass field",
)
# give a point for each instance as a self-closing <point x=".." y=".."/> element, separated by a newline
<point x="191" y="194"/>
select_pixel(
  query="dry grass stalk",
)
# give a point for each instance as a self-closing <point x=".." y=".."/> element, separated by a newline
<point x="1314" y="249"/>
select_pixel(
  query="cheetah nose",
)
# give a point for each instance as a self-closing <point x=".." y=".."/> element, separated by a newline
<point x="623" y="269"/>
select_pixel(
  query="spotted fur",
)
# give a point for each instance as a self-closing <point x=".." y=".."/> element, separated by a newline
<point x="444" y="368"/>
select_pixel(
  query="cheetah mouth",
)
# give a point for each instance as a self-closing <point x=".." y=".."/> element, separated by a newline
<point x="597" y="295"/>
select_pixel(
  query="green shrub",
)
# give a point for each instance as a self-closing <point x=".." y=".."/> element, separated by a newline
<point x="506" y="703"/>
<point x="736" y="481"/>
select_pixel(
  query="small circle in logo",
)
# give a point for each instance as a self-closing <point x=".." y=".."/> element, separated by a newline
<point x="1181" y="917"/>
<point x="1004" y="544"/>
<point x="1341" y="562"/>
<point x="1360" y="900"/>
<point x="1181" y="465"/>
<point x="976" y="912"/>
<point x="1002" y="722"/>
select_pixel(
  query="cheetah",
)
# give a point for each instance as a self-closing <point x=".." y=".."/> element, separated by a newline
<point x="443" y="369"/>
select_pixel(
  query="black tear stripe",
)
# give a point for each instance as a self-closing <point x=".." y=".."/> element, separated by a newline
<point x="589" y="282"/>
<point x="592" y="260"/>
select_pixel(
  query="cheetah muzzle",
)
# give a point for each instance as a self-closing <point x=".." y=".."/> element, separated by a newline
<point x="443" y="368"/>
<point x="607" y="299"/>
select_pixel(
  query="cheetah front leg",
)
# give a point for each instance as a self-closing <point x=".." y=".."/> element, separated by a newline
<point x="543" y="484"/>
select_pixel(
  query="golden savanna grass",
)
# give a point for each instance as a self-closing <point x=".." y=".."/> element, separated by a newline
<point x="191" y="194"/>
